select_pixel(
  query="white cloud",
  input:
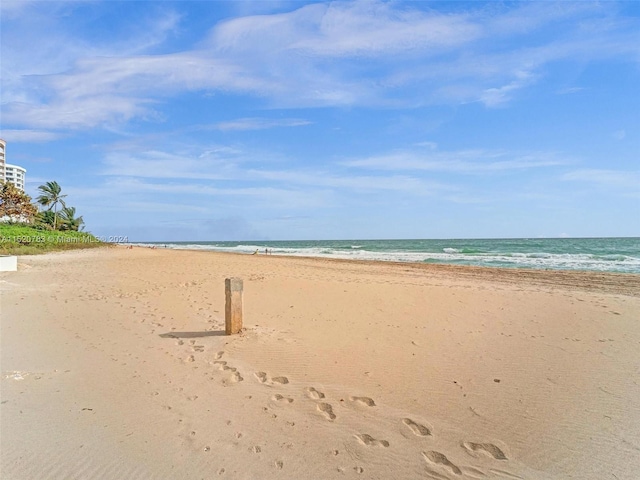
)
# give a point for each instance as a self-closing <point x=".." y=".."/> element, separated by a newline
<point x="171" y="170"/>
<point x="15" y="8"/>
<point x="337" y="29"/>
<point x="259" y="124"/>
<point x="460" y="162"/>
<point x="78" y="113"/>
<point x="30" y="136"/>
<point x="493" y="97"/>
<point x="335" y="54"/>
<point x="353" y="183"/>
<point x="207" y="165"/>
<point x="127" y="192"/>
<point x="28" y="61"/>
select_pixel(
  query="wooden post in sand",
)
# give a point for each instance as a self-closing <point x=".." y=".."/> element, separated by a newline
<point x="233" y="305"/>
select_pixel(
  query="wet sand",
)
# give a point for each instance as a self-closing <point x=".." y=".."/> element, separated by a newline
<point x="115" y="365"/>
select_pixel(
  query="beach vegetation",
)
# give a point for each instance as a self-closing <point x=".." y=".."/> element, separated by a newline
<point x="15" y="205"/>
<point x="51" y="196"/>
<point x="44" y="220"/>
<point x="25" y="230"/>
<point x="69" y="221"/>
<point x="22" y="239"/>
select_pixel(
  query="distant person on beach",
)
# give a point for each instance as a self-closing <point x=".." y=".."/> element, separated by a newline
<point x="255" y="253"/>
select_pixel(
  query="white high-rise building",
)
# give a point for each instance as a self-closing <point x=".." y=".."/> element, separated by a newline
<point x="15" y="175"/>
<point x="8" y="172"/>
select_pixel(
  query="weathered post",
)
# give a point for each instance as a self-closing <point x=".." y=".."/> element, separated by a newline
<point x="233" y="305"/>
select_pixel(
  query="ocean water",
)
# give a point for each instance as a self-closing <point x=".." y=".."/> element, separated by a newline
<point x="591" y="254"/>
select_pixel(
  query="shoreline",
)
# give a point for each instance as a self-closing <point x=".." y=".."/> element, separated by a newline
<point x="614" y="255"/>
<point x="587" y="280"/>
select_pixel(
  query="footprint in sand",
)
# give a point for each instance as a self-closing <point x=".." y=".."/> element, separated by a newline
<point x="369" y="441"/>
<point x="417" y="428"/>
<point x="280" y="398"/>
<point x="219" y="355"/>
<point x="364" y="401"/>
<point x="490" y="449"/>
<point x="439" y="459"/>
<point x="263" y="378"/>
<point x="234" y="378"/>
<point x="314" y="394"/>
<point x="327" y="410"/>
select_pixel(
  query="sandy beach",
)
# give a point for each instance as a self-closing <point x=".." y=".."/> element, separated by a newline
<point x="115" y="365"/>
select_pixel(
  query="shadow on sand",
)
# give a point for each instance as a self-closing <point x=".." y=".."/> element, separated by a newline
<point x="215" y="333"/>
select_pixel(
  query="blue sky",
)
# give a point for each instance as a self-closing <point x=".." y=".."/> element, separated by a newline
<point x="328" y="120"/>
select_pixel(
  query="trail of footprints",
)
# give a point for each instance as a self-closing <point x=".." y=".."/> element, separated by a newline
<point x="436" y="463"/>
<point x="234" y="377"/>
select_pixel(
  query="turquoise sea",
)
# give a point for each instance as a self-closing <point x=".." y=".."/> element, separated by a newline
<point x="592" y="254"/>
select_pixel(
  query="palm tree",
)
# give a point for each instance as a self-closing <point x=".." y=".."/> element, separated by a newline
<point x="50" y="197"/>
<point x="68" y="219"/>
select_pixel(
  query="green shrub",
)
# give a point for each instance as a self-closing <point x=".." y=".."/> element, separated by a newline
<point x="26" y="240"/>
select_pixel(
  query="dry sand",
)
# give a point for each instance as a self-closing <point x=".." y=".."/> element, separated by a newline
<point x="115" y="366"/>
